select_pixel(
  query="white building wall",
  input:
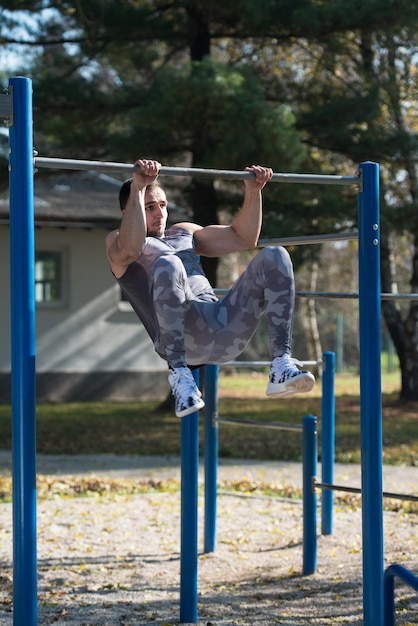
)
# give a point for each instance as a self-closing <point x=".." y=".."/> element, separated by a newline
<point x="89" y="334"/>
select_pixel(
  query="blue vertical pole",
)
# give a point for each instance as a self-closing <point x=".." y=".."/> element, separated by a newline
<point x="328" y="440"/>
<point x="211" y="455"/>
<point x="22" y="296"/>
<point x="370" y="394"/>
<point x="389" y="598"/>
<point x="310" y="456"/>
<point x="189" y="515"/>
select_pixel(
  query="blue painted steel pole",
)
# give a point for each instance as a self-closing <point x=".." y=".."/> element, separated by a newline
<point x="370" y="394"/>
<point x="211" y="456"/>
<point x="403" y="574"/>
<point x="328" y="440"/>
<point x="310" y="456"/>
<point x="189" y="515"/>
<point x="22" y="253"/>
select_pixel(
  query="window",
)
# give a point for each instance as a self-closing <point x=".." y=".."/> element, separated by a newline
<point x="49" y="277"/>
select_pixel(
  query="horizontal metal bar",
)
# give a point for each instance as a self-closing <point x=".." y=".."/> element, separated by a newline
<point x="108" y="166"/>
<point x="327" y="294"/>
<point x="353" y="295"/>
<point x="260" y="363"/>
<point x="338" y="294"/>
<point x="245" y="364"/>
<point x="386" y="494"/>
<point x="308" y="239"/>
<point x="255" y="424"/>
<point x="399" y="296"/>
<point x="77" y="164"/>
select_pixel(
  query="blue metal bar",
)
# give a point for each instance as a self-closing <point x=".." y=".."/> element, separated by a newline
<point x="22" y="257"/>
<point x="189" y="515"/>
<point x="328" y="440"/>
<point x="407" y="577"/>
<point x="211" y="456"/>
<point x="370" y="395"/>
<point x="310" y="456"/>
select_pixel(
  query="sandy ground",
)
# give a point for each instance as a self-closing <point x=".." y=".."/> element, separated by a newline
<point x="115" y="560"/>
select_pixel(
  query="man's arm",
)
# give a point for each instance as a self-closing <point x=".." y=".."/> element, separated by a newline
<point x="124" y="246"/>
<point x="244" y="230"/>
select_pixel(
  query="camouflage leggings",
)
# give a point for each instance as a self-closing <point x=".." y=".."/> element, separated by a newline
<point x="196" y="332"/>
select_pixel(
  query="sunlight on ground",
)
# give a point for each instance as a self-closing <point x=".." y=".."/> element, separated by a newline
<point x="253" y="384"/>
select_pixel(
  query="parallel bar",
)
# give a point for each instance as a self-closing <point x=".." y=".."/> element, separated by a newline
<point x="255" y="424"/>
<point x="399" y="296"/>
<point x="22" y="282"/>
<point x="307" y="239"/>
<point x="349" y="295"/>
<point x="109" y="166"/>
<point x="353" y="295"/>
<point x="385" y="494"/>
<point x="261" y="363"/>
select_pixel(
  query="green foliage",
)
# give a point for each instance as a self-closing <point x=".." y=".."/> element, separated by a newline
<point x="302" y="85"/>
<point x="208" y="102"/>
<point x="138" y="428"/>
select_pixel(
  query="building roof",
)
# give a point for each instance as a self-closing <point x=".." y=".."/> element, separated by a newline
<point x="79" y="199"/>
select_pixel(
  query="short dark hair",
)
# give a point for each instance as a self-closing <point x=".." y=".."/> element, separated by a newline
<point x="125" y="190"/>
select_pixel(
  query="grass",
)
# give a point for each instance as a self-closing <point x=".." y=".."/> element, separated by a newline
<point x="142" y="428"/>
<point x="139" y="428"/>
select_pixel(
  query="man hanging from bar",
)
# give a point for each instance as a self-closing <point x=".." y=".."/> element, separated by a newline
<point x="160" y="275"/>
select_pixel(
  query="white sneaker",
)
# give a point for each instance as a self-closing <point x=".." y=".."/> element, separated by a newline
<point x="188" y="397"/>
<point x="286" y="379"/>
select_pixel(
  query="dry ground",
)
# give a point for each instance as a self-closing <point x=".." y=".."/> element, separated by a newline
<point x="114" y="561"/>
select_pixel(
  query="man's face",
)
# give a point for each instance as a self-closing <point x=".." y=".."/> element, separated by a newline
<point x="156" y="212"/>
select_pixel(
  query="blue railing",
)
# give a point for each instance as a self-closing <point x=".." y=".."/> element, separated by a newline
<point x="392" y="572"/>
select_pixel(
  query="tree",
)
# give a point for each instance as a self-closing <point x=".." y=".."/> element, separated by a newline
<point x="142" y="74"/>
<point x="376" y="119"/>
<point x="298" y="84"/>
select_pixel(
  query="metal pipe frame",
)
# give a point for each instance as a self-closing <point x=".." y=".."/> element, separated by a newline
<point x="398" y="571"/>
<point x="307" y="239"/>
<point x="385" y="494"/>
<point x="238" y="364"/>
<point x="354" y="295"/>
<point x="110" y="166"/>
<point x="256" y="424"/>
<point x="367" y="183"/>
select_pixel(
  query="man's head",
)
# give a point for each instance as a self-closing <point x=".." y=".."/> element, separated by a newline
<point x="156" y="212"/>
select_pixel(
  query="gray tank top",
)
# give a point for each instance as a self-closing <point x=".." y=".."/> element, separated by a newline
<point x="136" y="281"/>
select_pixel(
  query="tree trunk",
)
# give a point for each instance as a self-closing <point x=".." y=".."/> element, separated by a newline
<point x="390" y="308"/>
<point x="405" y="337"/>
<point x="202" y="193"/>
<point x="310" y="323"/>
<point x="409" y="389"/>
<point x="204" y="204"/>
